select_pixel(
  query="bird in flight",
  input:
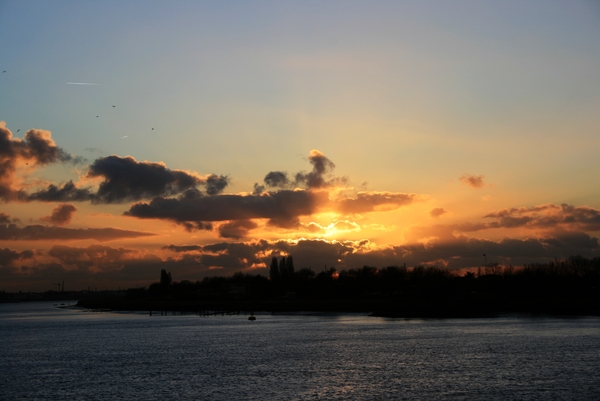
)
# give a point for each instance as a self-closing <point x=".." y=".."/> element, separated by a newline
<point x="114" y="105"/>
<point x="3" y="71"/>
<point x="123" y="137"/>
<point x="18" y="130"/>
<point x="152" y="129"/>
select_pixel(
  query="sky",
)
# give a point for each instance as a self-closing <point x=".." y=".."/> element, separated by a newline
<point x="206" y="138"/>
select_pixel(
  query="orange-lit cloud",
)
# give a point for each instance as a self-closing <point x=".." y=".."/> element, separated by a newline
<point x="548" y="216"/>
<point x="334" y="228"/>
<point x="315" y="204"/>
<point x="365" y="202"/>
<point x="37" y="148"/>
<point x="98" y="263"/>
<point x="10" y="232"/>
<point x="281" y="207"/>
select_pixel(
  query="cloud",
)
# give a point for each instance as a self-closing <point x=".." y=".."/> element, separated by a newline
<point x="322" y="167"/>
<point x="547" y="216"/>
<point x="182" y="248"/>
<point x="61" y="215"/>
<point x="98" y="257"/>
<point x="335" y="227"/>
<point x="37" y="148"/>
<point x="192" y="226"/>
<point x="474" y="181"/>
<point x="5" y="219"/>
<point x="375" y="201"/>
<point x="236" y="229"/>
<point x="67" y="193"/>
<point x="215" y="184"/>
<point x="175" y="195"/>
<point x="8" y="256"/>
<point x="124" y="179"/>
<point x="345" y="225"/>
<point x="124" y="266"/>
<point x="437" y="212"/>
<point x="258" y="189"/>
<point x="319" y="177"/>
<point x="281" y="207"/>
<point x="11" y="232"/>
<point x="277" y="179"/>
<point x="104" y="266"/>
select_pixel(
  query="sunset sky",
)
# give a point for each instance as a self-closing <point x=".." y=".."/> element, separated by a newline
<point x="206" y="137"/>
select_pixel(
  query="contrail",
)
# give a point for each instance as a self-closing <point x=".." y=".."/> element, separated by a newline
<point x="81" y="83"/>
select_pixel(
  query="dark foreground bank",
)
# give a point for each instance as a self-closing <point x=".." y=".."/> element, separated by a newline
<point x="568" y="287"/>
<point x="416" y="305"/>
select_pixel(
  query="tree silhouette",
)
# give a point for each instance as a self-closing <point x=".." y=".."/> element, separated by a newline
<point x="289" y="264"/>
<point x="274" y="270"/>
<point x="283" y="269"/>
<point x="165" y="279"/>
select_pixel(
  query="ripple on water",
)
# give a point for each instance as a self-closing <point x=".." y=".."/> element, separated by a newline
<point x="50" y="354"/>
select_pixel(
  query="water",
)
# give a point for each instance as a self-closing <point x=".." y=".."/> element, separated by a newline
<point x="48" y="353"/>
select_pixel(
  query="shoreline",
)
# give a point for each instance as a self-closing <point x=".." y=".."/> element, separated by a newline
<point x="377" y="308"/>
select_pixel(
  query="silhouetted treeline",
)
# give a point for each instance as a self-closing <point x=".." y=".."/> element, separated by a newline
<point x="569" y="287"/>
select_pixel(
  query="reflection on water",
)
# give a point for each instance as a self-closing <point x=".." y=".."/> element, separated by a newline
<point x="66" y="354"/>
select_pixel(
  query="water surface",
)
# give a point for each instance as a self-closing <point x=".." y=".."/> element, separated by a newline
<point x="64" y="354"/>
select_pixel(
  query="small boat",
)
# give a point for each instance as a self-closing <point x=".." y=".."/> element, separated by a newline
<point x="252" y="317"/>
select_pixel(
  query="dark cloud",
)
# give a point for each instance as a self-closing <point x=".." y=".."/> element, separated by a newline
<point x="277" y="179"/>
<point x="11" y="232"/>
<point x="126" y="179"/>
<point x="319" y="177"/>
<point x="258" y="189"/>
<point x="37" y="148"/>
<point x="104" y="267"/>
<point x="67" y="193"/>
<point x="61" y="215"/>
<point x="474" y="181"/>
<point x="547" y="216"/>
<point x="322" y="167"/>
<point x="453" y="252"/>
<point x="192" y="226"/>
<point x="281" y="206"/>
<point x="236" y="229"/>
<point x="182" y="248"/>
<point x="8" y="256"/>
<point x="229" y="257"/>
<point x="375" y="201"/>
<point x="6" y="219"/>
<point x="437" y="212"/>
<point x="215" y="184"/>
<point x="121" y="266"/>
<point x="100" y="257"/>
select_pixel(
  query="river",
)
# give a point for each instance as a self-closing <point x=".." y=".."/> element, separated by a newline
<point x="49" y="353"/>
